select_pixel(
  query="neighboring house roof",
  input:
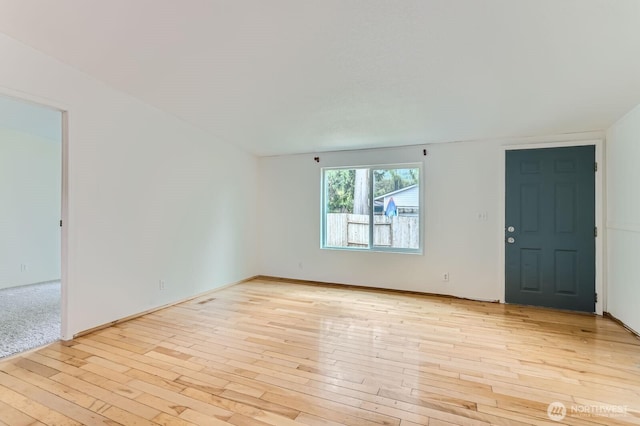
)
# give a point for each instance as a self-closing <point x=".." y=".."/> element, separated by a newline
<point x="405" y="197"/>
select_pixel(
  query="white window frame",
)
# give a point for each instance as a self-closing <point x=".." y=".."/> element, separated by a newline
<point x="372" y="247"/>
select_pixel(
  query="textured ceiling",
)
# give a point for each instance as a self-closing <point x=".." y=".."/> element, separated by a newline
<point x="288" y="76"/>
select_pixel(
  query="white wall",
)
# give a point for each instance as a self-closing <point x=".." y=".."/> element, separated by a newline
<point x="623" y="219"/>
<point x="29" y="208"/>
<point x="460" y="181"/>
<point x="149" y="196"/>
<point x="463" y="184"/>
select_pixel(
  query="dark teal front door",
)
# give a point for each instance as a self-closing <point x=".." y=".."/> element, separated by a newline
<point x="550" y="228"/>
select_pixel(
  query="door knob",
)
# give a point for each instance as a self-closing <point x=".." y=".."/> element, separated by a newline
<point x="511" y="240"/>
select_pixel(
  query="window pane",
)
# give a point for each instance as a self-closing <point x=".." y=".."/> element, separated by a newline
<point x="347" y="208"/>
<point x="396" y="205"/>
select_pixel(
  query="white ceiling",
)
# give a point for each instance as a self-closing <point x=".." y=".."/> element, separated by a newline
<point x="286" y="76"/>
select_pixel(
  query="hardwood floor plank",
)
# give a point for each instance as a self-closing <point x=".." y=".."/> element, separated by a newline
<point x="266" y="352"/>
<point x="35" y="367"/>
<point x="240" y="420"/>
<point x="311" y="420"/>
<point x="33" y="408"/>
<point x="202" y="419"/>
<point x="12" y="416"/>
<point x="329" y="409"/>
<point x="181" y="400"/>
<point x="126" y="417"/>
<point x="126" y="358"/>
<point x="54" y="388"/>
<point x="167" y="420"/>
<point x="106" y="395"/>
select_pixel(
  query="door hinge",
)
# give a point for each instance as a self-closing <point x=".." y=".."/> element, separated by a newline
<point x="595" y="231"/>
<point x="596" y="297"/>
<point x="61" y="222"/>
<point x="595" y="166"/>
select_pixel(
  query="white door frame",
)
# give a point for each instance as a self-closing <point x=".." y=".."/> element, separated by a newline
<point x="600" y="275"/>
<point x="64" y="201"/>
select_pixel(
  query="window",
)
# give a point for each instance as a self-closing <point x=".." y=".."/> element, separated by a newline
<point x="372" y="208"/>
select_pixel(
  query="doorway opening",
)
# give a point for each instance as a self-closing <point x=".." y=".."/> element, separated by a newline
<point x="31" y="145"/>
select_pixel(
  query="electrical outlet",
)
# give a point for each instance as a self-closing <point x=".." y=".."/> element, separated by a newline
<point x="161" y="285"/>
<point x="445" y="276"/>
<point x="24" y="267"/>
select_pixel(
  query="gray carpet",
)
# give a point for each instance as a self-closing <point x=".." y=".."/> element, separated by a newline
<point x="29" y="317"/>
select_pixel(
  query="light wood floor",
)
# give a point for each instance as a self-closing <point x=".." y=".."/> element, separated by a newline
<point x="275" y="353"/>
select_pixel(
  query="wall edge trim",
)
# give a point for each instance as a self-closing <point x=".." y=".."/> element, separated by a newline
<point x="365" y="287"/>
<point x="616" y="320"/>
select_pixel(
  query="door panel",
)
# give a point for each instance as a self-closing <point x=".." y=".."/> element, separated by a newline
<point x="550" y="203"/>
<point x="531" y="275"/>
